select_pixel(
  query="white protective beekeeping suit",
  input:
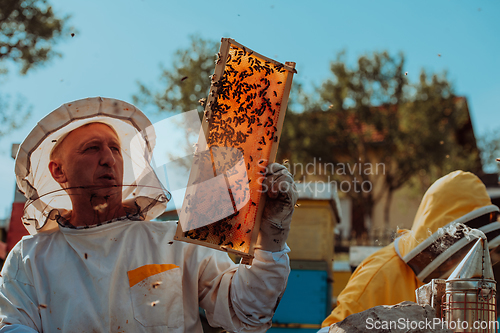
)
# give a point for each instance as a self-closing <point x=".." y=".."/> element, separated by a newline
<point x="124" y="275"/>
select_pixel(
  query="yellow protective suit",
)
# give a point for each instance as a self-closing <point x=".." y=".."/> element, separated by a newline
<point x="384" y="278"/>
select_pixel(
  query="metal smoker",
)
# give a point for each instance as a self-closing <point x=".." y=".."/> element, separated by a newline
<point x="470" y="296"/>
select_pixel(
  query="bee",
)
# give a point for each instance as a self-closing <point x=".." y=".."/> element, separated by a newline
<point x="275" y="94"/>
<point x="248" y="231"/>
<point x="279" y="82"/>
<point x="154" y="303"/>
<point x="170" y="243"/>
<point x="242" y="243"/>
<point x="43" y="306"/>
<point x="156" y="284"/>
<point x="238" y="227"/>
<point x="86" y="256"/>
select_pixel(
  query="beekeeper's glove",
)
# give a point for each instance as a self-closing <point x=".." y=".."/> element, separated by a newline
<point x="280" y="202"/>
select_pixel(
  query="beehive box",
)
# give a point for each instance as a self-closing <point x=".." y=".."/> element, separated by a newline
<point x="243" y="118"/>
<point x="311" y="242"/>
<point x="311" y="235"/>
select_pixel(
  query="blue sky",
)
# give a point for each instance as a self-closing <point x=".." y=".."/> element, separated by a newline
<point x="118" y="43"/>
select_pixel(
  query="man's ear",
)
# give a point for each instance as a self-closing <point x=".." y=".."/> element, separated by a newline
<point x="55" y="168"/>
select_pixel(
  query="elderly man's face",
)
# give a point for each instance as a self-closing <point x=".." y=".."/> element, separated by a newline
<point x="89" y="157"/>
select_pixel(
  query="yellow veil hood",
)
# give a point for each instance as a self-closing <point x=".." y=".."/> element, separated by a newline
<point x="448" y="199"/>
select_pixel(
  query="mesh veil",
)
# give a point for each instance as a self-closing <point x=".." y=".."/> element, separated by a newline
<point x="142" y="192"/>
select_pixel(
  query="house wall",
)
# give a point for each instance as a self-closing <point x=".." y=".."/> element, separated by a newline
<point x="404" y="206"/>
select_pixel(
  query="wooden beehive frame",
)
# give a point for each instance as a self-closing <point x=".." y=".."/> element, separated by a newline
<point x="224" y="69"/>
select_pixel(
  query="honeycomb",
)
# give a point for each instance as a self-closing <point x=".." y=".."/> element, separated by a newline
<point x="242" y="123"/>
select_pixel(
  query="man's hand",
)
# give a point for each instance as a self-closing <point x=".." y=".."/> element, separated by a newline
<point x="280" y="202"/>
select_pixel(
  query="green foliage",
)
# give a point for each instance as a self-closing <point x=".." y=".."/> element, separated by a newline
<point x="186" y="82"/>
<point x="371" y="114"/>
<point x="29" y="30"/>
<point x="490" y="150"/>
<point x="12" y="120"/>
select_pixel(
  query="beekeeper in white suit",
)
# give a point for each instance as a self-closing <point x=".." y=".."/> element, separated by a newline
<point x="95" y="262"/>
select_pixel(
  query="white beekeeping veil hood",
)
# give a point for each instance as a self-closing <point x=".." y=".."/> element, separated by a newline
<point x="142" y="192"/>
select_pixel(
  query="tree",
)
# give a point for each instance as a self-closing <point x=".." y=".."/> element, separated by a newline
<point x="489" y="143"/>
<point x="186" y="82"/>
<point x="28" y="31"/>
<point x="363" y="117"/>
<point x="11" y="120"/>
<point x="370" y="126"/>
